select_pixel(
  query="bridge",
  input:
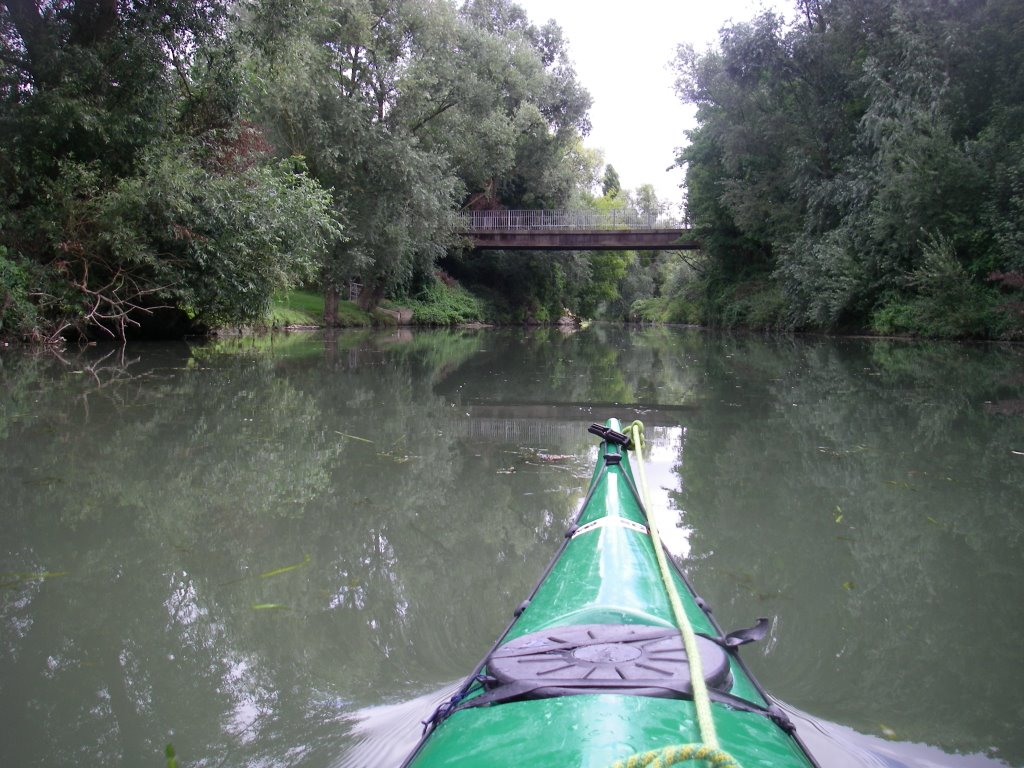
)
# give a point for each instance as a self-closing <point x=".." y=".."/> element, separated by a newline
<point x="555" y="230"/>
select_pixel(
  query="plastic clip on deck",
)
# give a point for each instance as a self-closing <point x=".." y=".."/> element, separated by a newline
<point x="609" y="434"/>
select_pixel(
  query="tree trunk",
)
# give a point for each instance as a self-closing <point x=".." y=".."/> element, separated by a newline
<point x="91" y="21"/>
<point x="331" y="306"/>
<point x="370" y="296"/>
<point x="39" y="40"/>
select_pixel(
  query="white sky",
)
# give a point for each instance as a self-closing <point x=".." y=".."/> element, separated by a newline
<point x="621" y="51"/>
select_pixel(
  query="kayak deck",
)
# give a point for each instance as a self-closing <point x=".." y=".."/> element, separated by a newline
<point x="595" y="731"/>
<point x="592" y="671"/>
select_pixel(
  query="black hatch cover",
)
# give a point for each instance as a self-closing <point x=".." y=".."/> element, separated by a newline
<point x="592" y="658"/>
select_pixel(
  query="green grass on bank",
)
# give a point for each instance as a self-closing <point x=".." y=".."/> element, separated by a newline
<point x="307" y="308"/>
<point x="440" y="304"/>
<point x="447" y="303"/>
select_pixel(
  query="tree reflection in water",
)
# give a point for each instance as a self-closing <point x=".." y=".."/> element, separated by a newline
<point x="258" y="549"/>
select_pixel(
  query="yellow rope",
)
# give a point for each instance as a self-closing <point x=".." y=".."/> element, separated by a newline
<point x="709" y="751"/>
<point x="661" y="758"/>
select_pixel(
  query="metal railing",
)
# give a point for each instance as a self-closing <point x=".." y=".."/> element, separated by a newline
<point x="475" y="221"/>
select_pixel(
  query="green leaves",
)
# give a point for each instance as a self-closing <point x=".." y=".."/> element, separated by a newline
<point x="140" y="156"/>
<point x="133" y="194"/>
<point x="831" y="155"/>
<point x="17" y="313"/>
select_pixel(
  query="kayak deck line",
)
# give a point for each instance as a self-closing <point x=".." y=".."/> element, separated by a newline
<point x="593" y="668"/>
<point x="701" y="701"/>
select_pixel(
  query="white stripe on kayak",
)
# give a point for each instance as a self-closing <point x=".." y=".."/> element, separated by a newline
<point x="621" y="522"/>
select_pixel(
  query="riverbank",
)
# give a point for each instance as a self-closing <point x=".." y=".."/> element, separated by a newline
<point x="448" y="304"/>
<point x="442" y="304"/>
<point x="305" y="309"/>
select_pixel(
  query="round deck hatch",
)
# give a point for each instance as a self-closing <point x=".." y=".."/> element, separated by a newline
<point x="612" y="658"/>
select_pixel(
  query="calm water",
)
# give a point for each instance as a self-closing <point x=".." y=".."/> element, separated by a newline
<point x="283" y="552"/>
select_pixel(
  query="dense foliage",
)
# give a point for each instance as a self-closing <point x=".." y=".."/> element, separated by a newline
<point x="862" y="167"/>
<point x="163" y="160"/>
<point x="173" y="165"/>
<point x="406" y="109"/>
<point x="134" y="190"/>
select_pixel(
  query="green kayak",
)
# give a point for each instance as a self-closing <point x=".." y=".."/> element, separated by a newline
<point x="596" y="668"/>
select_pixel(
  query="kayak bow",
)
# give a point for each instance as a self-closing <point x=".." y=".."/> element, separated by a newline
<point x="594" y="669"/>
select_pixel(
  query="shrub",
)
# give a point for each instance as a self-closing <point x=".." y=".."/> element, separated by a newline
<point x="651" y="310"/>
<point x="17" y="313"/>
<point x="894" y="316"/>
<point x="443" y="304"/>
<point x="948" y="303"/>
<point x="941" y="301"/>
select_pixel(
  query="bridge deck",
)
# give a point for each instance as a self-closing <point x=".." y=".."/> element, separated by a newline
<point x="582" y="240"/>
<point x="550" y="230"/>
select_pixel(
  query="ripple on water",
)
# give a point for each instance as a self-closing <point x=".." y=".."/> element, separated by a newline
<point x="838" y="746"/>
<point x="384" y="735"/>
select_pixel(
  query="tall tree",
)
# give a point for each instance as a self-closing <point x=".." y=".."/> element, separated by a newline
<point x="350" y="84"/>
<point x="520" y="80"/>
<point x="404" y="108"/>
<point x="610" y="184"/>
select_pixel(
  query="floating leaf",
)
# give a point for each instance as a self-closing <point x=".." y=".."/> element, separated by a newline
<point x="285" y="569"/>
<point x="839" y="514"/>
<point x="888" y="732"/>
<point x="267" y="606"/>
<point x="353" y="437"/>
<point x="847" y="585"/>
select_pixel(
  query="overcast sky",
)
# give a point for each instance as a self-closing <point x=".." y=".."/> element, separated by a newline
<point x="621" y="50"/>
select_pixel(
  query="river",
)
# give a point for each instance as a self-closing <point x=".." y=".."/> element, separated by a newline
<point x="284" y="551"/>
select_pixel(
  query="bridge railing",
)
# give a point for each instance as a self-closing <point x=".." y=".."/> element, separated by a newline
<point x="563" y="220"/>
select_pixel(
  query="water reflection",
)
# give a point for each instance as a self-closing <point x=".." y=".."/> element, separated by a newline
<point x="276" y="551"/>
<point x="873" y="505"/>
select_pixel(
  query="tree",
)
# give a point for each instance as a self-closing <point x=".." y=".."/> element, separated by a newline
<point x="610" y="186"/>
<point x="405" y="108"/>
<point x="645" y="201"/>
<point x="520" y="75"/>
<point x="351" y="84"/>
